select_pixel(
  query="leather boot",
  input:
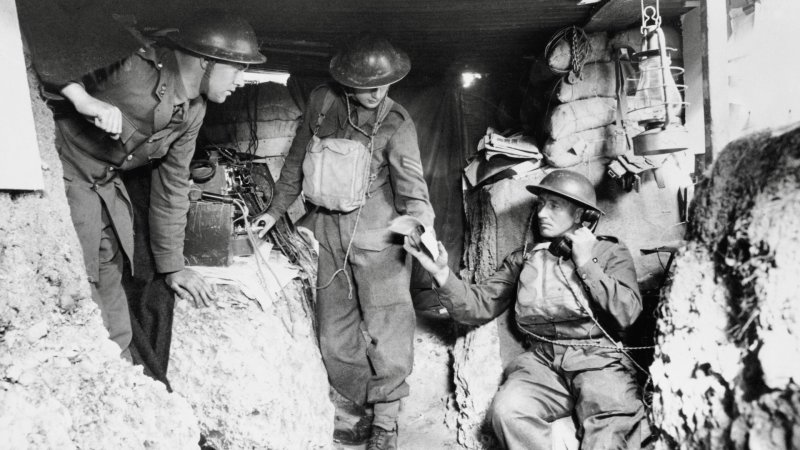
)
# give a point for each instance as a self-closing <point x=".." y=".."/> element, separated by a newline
<point x="358" y="434"/>
<point x="382" y="439"/>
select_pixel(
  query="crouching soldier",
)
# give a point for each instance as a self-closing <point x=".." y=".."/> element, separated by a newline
<point x="145" y="111"/>
<point x="574" y="292"/>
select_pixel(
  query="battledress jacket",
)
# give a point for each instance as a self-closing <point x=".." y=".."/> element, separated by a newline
<point x="159" y="127"/>
<point x="606" y="288"/>
<point x="399" y="186"/>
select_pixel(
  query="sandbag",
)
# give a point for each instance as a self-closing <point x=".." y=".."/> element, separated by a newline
<point x="580" y="115"/>
<point x="560" y="58"/>
<point x="586" y="146"/>
<point x="595" y="112"/>
<point x="597" y="80"/>
<point x="235" y="132"/>
<point x="264" y="101"/>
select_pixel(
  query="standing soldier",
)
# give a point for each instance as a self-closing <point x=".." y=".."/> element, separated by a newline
<point x="356" y="159"/>
<point x="146" y="109"/>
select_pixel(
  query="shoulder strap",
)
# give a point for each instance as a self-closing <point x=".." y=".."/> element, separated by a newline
<point x="383" y="112"/>
<point x="326" y="105"/>
<point x="622" y="69"/>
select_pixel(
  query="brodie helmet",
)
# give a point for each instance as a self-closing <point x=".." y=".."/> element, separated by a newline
<point x="570" y="185"/>
<point x="369" y="61"/>
<point x="219" y="35"/>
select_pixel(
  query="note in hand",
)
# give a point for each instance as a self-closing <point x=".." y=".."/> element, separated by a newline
<point x="412" y="227"/>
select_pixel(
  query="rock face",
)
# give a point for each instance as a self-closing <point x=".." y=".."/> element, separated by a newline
<point x="62" y="383"/>
<point x="254" y="378"/>
<point x="729" y="359"/>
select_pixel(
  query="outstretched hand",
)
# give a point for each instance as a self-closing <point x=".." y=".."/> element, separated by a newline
<point x="438" y="269"/>
<point x="262" y="224"/>
<point x="189" y="285"/>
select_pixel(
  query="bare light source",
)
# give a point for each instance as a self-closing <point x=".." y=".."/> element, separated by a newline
<point x="265" y="76"/>
<point x="469" y="78"/>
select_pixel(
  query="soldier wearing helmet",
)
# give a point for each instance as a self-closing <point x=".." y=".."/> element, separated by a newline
<point x="145" y="110"/>
<point x="363" y="272"/>
<point x="572" y="293"/>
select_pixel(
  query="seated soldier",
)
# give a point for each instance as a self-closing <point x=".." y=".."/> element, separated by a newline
<point x="570" y="305"/>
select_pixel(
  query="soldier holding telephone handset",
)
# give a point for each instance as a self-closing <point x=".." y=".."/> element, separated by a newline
<point x="574" y="293"/>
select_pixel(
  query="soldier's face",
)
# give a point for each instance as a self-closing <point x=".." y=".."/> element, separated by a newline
<point x="370" y="98"/>
<point x="556" y="215"/>
<point x="223" y="80"/>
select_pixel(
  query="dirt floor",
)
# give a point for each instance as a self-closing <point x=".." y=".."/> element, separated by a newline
<point x="427" y="417"/>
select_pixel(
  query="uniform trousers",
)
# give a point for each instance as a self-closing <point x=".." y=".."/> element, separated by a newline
<point x="550" y="382"/>
<point x="366" y="335"/>
<point x="107" y="291"/>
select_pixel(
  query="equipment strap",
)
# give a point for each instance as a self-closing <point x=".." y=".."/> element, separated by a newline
<point x="326" y="105"/>
<point x="621" y="60"/>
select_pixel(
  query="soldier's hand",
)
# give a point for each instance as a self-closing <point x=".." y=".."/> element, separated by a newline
<point x="583" y="241"/>
<point x="189" y="285"/>
<point x="104" y="115"/>
<point x="263" y="223"/>
<point x="438" y="269"/>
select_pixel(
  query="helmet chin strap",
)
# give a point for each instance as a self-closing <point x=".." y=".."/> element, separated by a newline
<point x="204" y="83"/>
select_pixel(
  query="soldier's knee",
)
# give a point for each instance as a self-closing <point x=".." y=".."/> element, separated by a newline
<point x="507" y="406"/>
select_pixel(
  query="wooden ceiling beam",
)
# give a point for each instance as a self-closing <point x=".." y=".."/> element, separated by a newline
<point x="614" y="15"/>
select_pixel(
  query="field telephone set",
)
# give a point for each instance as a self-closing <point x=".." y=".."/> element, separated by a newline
<point x="562" y="247"/>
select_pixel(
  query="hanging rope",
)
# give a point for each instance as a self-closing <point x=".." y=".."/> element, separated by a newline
<point x="370" y="178"/>
<point x="579" y="47"/>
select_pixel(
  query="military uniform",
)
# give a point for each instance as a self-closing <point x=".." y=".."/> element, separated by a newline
<point x="557" y="301"/>
<point x="159" y="127"/>
<point x="371" y="370"/>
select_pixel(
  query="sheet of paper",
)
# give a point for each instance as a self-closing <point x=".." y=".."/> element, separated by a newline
<point x="244" y="274"/>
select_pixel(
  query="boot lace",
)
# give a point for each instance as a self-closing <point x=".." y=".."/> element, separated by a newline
<point x="379" y="439"/>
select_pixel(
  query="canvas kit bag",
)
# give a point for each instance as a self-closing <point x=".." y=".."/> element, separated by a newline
<point x="336" y="172"/>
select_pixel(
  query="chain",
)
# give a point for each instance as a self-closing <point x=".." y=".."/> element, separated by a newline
<point x="582" y="344"/>
<point x="580" y="48"/>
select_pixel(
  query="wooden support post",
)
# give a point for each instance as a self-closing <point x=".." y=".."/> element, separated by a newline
<point x="21" y="167"/>
<point x="714" y="31"/>
<point x="693" y="51"/>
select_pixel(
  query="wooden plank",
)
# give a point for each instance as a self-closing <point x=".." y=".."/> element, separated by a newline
<point x="21" y="168"/>
<point x="714" y="31"/>
<point x="693" y="50"/>
<point x="615" y="15"/>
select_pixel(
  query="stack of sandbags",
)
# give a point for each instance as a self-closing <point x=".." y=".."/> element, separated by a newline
<point x="580" y="120"/>
<point x="574" y="148"/>
<point x="261" y="119"/>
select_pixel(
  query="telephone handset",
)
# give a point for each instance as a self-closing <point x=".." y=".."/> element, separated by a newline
<point x="562" y="247"/>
